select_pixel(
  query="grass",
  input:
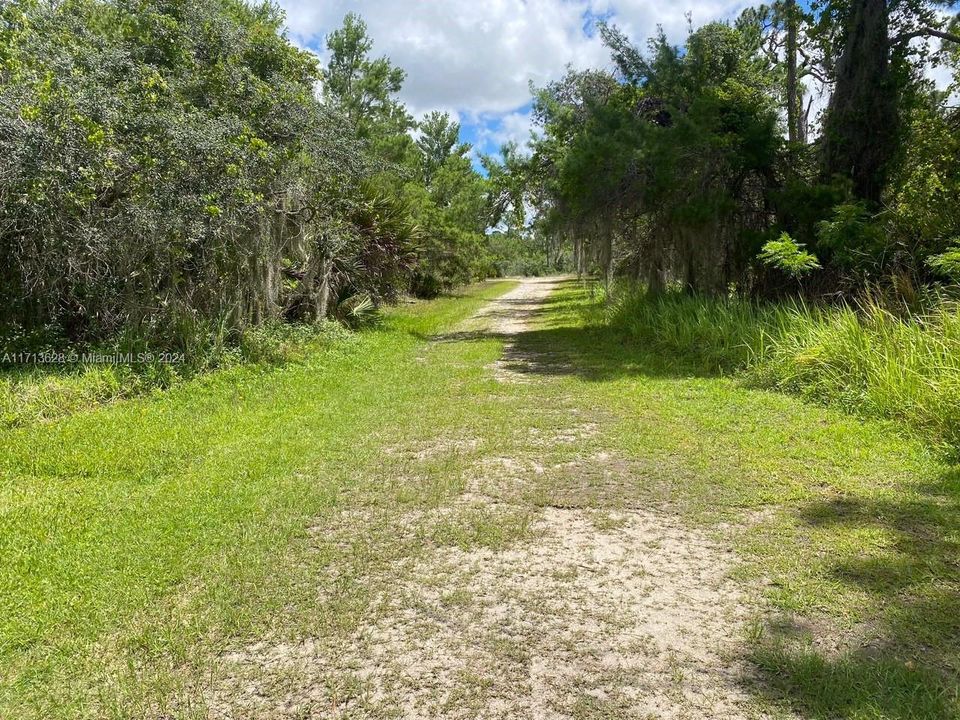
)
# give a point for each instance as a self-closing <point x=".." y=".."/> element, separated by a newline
<point x="482" y="527"/>
<point x="60" y="380"/>
<point x="849" y="527"/>
<point x="134" y="533"/>
<point x="141" y="540"/>
<point x="864" y="360"/>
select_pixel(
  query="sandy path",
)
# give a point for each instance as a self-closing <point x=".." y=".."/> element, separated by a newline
<point x="512" y="313"/>
<point x="620" y="612"/>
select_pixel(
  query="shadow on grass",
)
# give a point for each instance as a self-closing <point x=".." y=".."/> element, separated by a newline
<point x="855" y="685"/>
<point x="595" y="353"/>
<point x="904" y="661"/>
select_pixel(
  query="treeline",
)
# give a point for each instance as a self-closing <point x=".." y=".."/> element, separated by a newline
<point x="706" y="167"/>
<point x="177" y="169"/>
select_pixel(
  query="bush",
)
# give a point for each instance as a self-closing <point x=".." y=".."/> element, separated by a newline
<point x="427" y="286"/>
<point x="789" y="256"/>
<point x="168" y="165"/>
<point x="279" y="343"/>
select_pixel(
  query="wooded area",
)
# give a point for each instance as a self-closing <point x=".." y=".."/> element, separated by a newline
<point x="178" y="170"/>
<point x="709" y="165"/>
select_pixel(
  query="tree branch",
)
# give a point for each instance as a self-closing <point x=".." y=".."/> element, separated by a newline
<point x="924" y="32"/>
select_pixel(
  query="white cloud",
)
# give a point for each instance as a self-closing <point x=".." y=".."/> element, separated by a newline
<point x="479" y="57"/>
<point x="460" y="55"/>
<point x="488" y="132"/>
<point x="499" y="130"/>
<point x="640" y="18"/>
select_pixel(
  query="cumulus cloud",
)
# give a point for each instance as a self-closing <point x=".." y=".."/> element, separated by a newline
<point x="641" y="18"/>
<point x="476" y="58"/>
<point x="479" y="57"/>
<point x="496" y="130"/>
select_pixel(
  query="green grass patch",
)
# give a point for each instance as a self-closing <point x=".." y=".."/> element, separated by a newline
<point x="137" y="538"/>
<point x="471" y="528"/>
<point x="53" y="379"/>
<point x="864" y="360"/>
<point x="846" y="526"/>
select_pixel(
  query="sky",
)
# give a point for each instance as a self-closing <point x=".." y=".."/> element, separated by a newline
<point x="476" y="58"/>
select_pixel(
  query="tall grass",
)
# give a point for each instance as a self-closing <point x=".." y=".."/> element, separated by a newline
<point x="862" y="358"/>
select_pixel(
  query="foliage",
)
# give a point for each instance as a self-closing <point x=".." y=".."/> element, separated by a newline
<point x="853" y="237"/>
<point x="159" y="162"/>
<point x="666" y="171"/>
<point x="172" y="178"/>
<point x="947" y="263"/>
<point x="431" y="178"/>
<point x="520" y="254"/>
<point x="923" y="215"/>
<point x="381" y="252"/>
<point x="362" y="87"/>
<point x="789" y="256"/>
<point x="675" y="168"/>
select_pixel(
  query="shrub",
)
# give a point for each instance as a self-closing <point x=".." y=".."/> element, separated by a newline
<point x="789" y="256"/>
<point x="279" y="343"/>
<point x="947" y="263"/>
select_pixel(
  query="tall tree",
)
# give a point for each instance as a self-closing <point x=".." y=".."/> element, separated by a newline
<point x="862" y="123"/>
<point x="779" y="35"/>
<point x="860" y="128"/>
<point x="362" y="87"/>
<point x="795" y="131"/>
<point x="439" y="139"/>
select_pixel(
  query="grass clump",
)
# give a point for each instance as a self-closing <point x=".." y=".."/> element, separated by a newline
<point x="864" y="359"/>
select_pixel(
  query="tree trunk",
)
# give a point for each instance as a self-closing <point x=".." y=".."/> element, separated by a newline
<point x="322" y="307"/>
<point x="607" y="263"/>
<point x="861" y="122"/>
<point x="655" y="283"/>
<point x="794" y="119"/>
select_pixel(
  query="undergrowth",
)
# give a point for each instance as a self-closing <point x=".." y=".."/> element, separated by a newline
<point x="862" y="358"/>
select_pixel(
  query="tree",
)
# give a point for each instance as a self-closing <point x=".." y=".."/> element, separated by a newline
<point x="663" y="174"/>
<point x="863" y="122"/>
<point x="170" y="174"/>
<point x="860" y="130"/>
<point x="780" y="36"/>
<point x="363" y="87"/>
<point x="439" y="139"/>
<point x="158" y="158"/>
<point x="430" y="179"/>
<point x="795" y="129"/>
